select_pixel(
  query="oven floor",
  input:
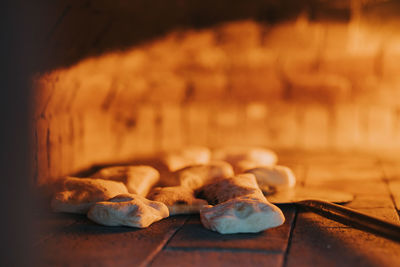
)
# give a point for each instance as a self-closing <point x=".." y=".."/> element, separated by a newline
<point x="306" y="239"/>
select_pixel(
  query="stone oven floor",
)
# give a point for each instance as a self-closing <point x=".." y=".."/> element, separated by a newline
<point x="306" y="239"/>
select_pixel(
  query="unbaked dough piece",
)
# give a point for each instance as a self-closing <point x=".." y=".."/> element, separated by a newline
<point x="244" y="158"/>
<point x="277" y="177"/>
<point x="179" y="199"/>
<point x="229" y="188"/>
<point x="79" y="194"/>
<point x="241" y="215"/>
<point x="128" y="210"/>
<point x="194" y="177"/>
<point x="240" y="207"/>
<point x="138" y="179"/>
<point x="186" y="157"/>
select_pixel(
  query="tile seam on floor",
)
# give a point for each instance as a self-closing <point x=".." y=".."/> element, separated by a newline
<point x="385" y="180"/>
<point x="150" y="258"/>
<point x="305" y="174"/>
<point x="289" y="242"/>
<point x="217" y="249"/>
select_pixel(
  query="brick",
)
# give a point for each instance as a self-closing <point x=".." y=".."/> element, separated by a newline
<point x="255" y="84"/>
<point x="396" y="128"/>
<point x="231" y="35"/>
<point x="391" y="169"/>
<point x="55" y="149"/>
<point x="171" y="127"/>
<point x="131" y="62"/>
<point x="394" y="187"/>
<point x="127" y="88"/>
<point x="63" y="88"/>
<point x="322" y="246"/>
<point x="283" y="127"/>
<point x="198" y="40"/>
<point x="371" y="202"/>
<point x="94" y="148"/>
<point x="315" y="128"/>
<point x="296" y="45"/>
<point x="253" y="59"/>
<point x="92" y="88"/>
<point x="293" y="38"/>
<point x="346" y="53"/>
<point x="196" y="124"/>
<point x="213" y="58"/>
<point x="254" y="126"/>
<point x="360" y="187"/>
<point x="123" y="124"/>
<point x="307" y="219"/>
<point x="43" y="92"/>
<point x="225" y="128"/>
<point x="322" y="87"/>
<point x="385" y="93"/>
<point x="166" y="87"/>
<point x="85" y="243"/>
<point x="206" y="86"/>
<point x="66" y="144"/>
<point x="348" y="64"/>
<point x="387" y="214"/>
<point x="216" y="258"/>
<point x="377" y="92"/>
<point x="391" y="57"/>
<point x="42" y="153"/>
<point x="380" y="133"/>
<point x="295" y="68"/>
<point x="346" y="127"/>
<point x="194" y="235"/>
<point x="146" y="130"/>
<point x="362" y="39"/>
<point x="164" y="53"/>
<point x="328" y="158"/>
<point x="299" y="156"/>
<point x="352" y="172"/>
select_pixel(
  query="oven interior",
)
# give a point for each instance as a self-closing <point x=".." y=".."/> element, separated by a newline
<point x="127" y="81"/>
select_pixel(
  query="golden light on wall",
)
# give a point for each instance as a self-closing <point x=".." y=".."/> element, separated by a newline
<point x="294" y="85"/>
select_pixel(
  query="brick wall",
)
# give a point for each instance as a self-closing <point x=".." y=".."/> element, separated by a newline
<point x="293" y="85"/>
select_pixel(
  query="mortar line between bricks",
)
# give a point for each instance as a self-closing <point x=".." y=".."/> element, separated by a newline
<point x="218" y="249"/>
<point x="385" y="180"/>
<point x="289" y="243"/>
<point x="150" y="258"/>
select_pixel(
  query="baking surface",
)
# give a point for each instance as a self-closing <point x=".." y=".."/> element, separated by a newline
<point x="306" y="239"/>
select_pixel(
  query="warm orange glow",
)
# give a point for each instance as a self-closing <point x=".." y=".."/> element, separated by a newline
<point x="293" y="85"/>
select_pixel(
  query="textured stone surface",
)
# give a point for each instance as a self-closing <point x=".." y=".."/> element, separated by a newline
<point x="395" y="191"/>
<point x="312" y="246"/>
<point x="194" y="235"/>
<point x="86" y="243"/>
<point x="213" y="258"/>
<point x="305" y="239"/>
<point x="49" y="224"/>
<point x="366" y="201"/>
